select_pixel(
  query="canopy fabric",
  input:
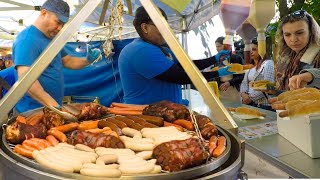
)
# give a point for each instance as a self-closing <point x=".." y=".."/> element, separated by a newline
<point x="178" y="5"/>
<point x="193" y="12"/>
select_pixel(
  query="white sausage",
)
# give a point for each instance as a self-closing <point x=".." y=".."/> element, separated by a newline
<point x="134" y="159"/>
<point x="65" y="145"/>
<point x="98" y="166"/>
<point x="40" y="158"/>
<point x="135" y="164"/>
<point x="85" y="158"/>
<point x="107" y="159"/>
<point x="145" y="154"/>
<point x="141" y="140"/>
<point x="54" y="156"/>
<point x="158" y="129"/>
<point x="83" y="147"/>
<point x="138" y="146"/>
<point x="153" y="161"/>
<point x="113" y="173"/>
<point x="157" y="169"/>
<point x="131" y="132"/>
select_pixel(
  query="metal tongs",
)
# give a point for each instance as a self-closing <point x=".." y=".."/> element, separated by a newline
<point x="65" y="115"/>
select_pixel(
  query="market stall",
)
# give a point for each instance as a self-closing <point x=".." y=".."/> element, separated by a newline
<point x="263" y="139"/>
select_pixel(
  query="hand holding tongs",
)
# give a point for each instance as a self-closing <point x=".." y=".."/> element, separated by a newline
<point x="65" y="115"/>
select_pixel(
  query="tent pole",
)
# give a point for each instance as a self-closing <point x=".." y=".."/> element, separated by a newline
<point x="184" y="42"/>
<point x="23" y="83"/>
<point x="104" y="11"/>
<point x="220" y="113"/>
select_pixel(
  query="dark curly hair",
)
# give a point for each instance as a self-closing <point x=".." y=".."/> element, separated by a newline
<point x="143" y="17"/>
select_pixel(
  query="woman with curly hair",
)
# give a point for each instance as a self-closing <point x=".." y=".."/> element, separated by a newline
<point x="299" y="49"/>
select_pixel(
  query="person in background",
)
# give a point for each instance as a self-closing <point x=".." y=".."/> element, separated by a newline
<point x="298" y="37"/>
<point x="263" y="70"/>
<point x="2" y="65"/>
<point x="229" y="88"/>
<point x="306" y="78"/>
<point x="48" y="90"/>
<point x="8" y="74"/>
<point x="149" y="71"/>
<point x="8" y="62"/>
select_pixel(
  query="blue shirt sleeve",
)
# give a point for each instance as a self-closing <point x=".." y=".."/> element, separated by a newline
<point x="150" y="61"/>
<point x="26" y="53"/>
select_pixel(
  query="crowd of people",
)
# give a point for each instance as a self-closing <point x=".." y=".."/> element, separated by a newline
<point x="149" y="70"/>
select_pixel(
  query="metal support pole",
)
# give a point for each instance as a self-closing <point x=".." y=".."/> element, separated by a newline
<point x="219" y="111"/>
<point x="23" y="83"/>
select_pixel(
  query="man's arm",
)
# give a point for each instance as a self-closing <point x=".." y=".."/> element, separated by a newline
<point x="36" y="91"/>
<point x="74" y="62"/>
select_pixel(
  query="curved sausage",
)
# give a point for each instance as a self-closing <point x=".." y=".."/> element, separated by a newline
<point x="120" y="124"/>
<point x="58" y="134"/>
<point x="107" y="159"/>
<point x="40" y="158"/>
<point x="52" y="140"/>
<point x="67" y="127"/>
<point x="142" y="122"/>
<point x="115" y="128"/>
<point x="132" y="132"/>
<point x="112" y="173"/>
<point x="23" y="151"/>
<point x="83" y="147"/>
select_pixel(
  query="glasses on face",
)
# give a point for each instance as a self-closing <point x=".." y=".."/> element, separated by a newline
<point x="295" y="15"/>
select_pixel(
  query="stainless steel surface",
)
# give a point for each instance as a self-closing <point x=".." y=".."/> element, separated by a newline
<point x="273" y="148"/>
<point x="23" y="83"/>
<point x="221" y="114"/>
<point x="25" y="165"/>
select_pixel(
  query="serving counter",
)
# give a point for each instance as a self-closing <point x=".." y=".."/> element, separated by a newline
<point x="270" y="146"/>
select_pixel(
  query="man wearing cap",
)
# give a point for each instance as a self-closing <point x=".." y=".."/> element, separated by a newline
<point x="48" y="90"/>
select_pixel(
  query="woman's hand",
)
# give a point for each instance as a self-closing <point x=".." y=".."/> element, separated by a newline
<point x="246" y="98"/>
<point x="224" y="86"/>
<point x="300" y="80"/>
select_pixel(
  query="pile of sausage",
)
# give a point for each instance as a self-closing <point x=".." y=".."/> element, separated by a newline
<point x="143" y="137"/>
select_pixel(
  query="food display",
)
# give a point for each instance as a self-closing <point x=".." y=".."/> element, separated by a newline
<point x="261" y="84"/>
<point x="115" y="141"/>
<point x="247" y="113"/>
<point x="305" y="101"/>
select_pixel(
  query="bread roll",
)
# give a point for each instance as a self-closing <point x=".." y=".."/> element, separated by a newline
<point x="235" y="67"/>
<point x="302" y="109"/>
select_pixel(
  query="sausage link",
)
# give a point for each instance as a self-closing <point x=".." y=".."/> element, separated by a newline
<point x="115" y="128"/>
<point x="58" y="134"/>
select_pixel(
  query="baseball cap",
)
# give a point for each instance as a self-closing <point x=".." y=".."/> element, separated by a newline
<point x="59" y="7"/>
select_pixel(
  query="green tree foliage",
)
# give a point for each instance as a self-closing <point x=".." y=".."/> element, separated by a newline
<point x="286" y="7"/>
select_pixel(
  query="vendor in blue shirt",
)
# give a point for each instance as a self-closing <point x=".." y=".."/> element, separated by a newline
<point x="149" y="71"/>
<point x="48" y="90"/>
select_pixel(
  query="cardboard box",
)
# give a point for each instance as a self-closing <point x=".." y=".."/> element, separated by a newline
<point x="303" y="132"/>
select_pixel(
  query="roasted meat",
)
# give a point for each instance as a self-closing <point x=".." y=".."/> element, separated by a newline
<point x="51" y="119"/>
<point x="94" y="140"/>
<point x="91" y="111"/>
<point x="18" y="132"/>
<point x="168" y="110"/>
<point x="180" y="154"/>
<point x="206" y="127"/>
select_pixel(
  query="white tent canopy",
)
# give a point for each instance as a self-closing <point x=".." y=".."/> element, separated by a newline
<point x="197" y="16"/>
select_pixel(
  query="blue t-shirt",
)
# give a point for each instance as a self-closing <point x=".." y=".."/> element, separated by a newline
<point x="8" y="75"/>
<point x="28" y="46"/>
<point x="139" y="63"/>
